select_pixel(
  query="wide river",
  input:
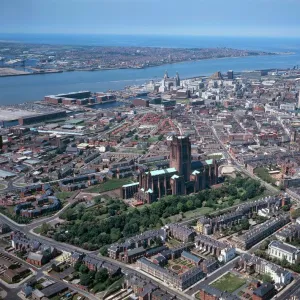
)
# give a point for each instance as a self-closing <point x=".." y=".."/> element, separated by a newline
<point x="34" y="87"/>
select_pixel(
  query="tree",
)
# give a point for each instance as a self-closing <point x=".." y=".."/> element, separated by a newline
<point x="230" y="202"/>
<point x="85" y="279"/>
<point x="68" y="214"/>
<point x="295" y="213"/>
<point x="55" y="268"/>
<point x="115" y="234"/>
<point x="98" y="199"/>
<point x="264" y="245"/>
<point x="101" y="275"/>
<point x="45" y="228"/>
<point x="266" y="278"/>
<point x="190" y="204"/>
<point x="83" y="269"/>
<point x="284" y="262"/>
<point x="245" y="224"/>
<point x="77" y="265"/>
<point x="286" y="208"/>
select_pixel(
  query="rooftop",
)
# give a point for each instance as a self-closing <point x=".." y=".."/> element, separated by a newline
<point x="161" y="172"/>
<point x="130" y="184"/>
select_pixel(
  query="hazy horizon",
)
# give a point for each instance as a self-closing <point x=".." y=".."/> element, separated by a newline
<point x="233" y="18"/>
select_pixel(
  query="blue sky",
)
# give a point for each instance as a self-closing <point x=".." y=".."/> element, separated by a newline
<point x="173" y="17"/>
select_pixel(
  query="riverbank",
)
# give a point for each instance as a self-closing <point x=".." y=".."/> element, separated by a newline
<point x="34" y="88"/>
<point x="11" y="72"/>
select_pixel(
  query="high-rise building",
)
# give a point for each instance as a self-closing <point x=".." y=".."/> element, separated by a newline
<point x="1" y="142"/>
<point x="230" y="74"/>
<point x="180" y="156"/>
<point x="177" y="79"/>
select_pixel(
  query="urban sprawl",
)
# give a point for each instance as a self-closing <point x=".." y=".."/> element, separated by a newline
<point x="181" y="189"/>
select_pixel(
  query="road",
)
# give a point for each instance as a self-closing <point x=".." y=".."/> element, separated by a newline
<point x="212" y="277"/>
<point x="241" y="168"/>
<point x="70" y="248"/>
<point x="131" y="268"/>
<point x="288" y="292"/>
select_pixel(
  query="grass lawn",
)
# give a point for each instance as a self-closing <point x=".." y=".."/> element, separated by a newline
<point x="229" y="282"/>
<point x="117" y="285"/>
<point x="173" y="243"/>
<point x="109" y="185"/>
<point x="10" y="209"/>
<point x="63" y="196"/>
<point x="37" y="230"/>
<point x="2" y="186"/>
<point x="182" y="101"/>
<point x="153" y="139"/>
<point x="197" y="212"/>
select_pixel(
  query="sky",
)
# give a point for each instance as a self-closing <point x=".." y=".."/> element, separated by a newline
<point x="172" y="17"/>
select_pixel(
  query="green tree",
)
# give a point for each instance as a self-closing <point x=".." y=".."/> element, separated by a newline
<point x="55" y="268"/>
<point x="190" y="204"/>
<point x="77" y="265"/>
<point x="83" y="269"/>
<point x="295" y="213"/>
<point x="245" y="224"/>
<point x="45" y="228"/>
<point x="85" y="279"/>
<point x="101" y="275"/>
<point x="98" y="199"/>
<point x="115" y="234"/>
<point x="230" y="202"/>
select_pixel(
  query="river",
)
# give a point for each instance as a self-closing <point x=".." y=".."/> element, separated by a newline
<point x="20" y="89"/>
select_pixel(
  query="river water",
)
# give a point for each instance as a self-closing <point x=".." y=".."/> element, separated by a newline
<point x="19" y="89"/>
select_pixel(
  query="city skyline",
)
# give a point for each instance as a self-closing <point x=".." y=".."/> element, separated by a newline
<point x="276" y="18"/>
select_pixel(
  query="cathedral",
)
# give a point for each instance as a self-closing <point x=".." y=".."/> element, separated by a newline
<point x="181" y="178"/>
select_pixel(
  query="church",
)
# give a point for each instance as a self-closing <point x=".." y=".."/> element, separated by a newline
<point x="183" y="176"/>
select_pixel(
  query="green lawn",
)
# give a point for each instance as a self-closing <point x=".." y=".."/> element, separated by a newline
<point x="110" y="184"/>
<point x="117" y="285"/>
<point x="2" y="186"/>
<point x="197" y="212"/>
<point x="37" y="230"/>
<point x="183" y="101"/>
<point x="153" y="139"/>
<point x="229" y="282"/>
<point x="63" y="196"/>
<point x="173" y="243"/>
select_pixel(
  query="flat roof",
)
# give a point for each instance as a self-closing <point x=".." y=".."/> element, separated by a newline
<point x="209" y="161"/>
<point x="130" y="184"/>
<point x="74" y="121"/>
<point x="162" y="171"/>
<point x="4" y="174"/>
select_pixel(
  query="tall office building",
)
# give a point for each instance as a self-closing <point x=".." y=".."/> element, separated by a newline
<point x="180" y="156"/>
<point x="177" y="79"/>
<point x="230" y="74"/>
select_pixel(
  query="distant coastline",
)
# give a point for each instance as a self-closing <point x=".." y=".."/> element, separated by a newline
<point x="138" y="68"/>
<point x="31" y="58"/>
<point x="34" y="88"/>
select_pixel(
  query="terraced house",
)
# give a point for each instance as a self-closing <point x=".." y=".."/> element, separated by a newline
<point x="180" y="282"/>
